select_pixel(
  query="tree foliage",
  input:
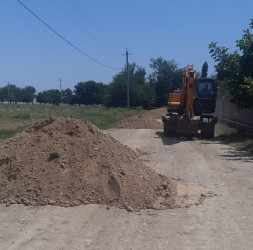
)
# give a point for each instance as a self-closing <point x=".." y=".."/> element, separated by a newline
<point x="28" y="94"/>
<point x="40" y="98"/>
<point x="166" y="77"/>
<point x="4" y="94"/>
<point x="11" y="93"/>
<point x="52" y="96"/>
<point x="204" y="71"/>
<point x="67" y="96"/>
<point x="235" y="70"/>
<point x="89" y="93"/>
<point x="141" y="92"/>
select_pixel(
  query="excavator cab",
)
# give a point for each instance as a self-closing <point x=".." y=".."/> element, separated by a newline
<point x="205" y="96"/>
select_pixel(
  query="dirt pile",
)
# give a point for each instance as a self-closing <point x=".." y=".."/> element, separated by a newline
<point x="147" y="120"/>
<point x="69" y="162"/>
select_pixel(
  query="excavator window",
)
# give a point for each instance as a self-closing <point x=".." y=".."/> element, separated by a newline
<point x="205" y="90"/>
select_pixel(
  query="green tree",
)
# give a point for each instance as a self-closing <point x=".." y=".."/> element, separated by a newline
<point x="116" y="92"/>
<point x="28" y="94"/>
<point x="141" y="92"/>
<point x="4" y="94"/>
<point x="40" y="98"/>
<point x="67" y="96"/>
<point x="53" y="96"/>
<point x="204" y="71"/>
<point x="235" y="70"/>
<point x="88" y="93"/>
<point x="166" y="77"/>
<point x="13" y="93"/>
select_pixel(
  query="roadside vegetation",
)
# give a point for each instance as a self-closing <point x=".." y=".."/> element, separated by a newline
<point x="235" y="69"/>
<point x="235" y="138"/>
<point x="16" y="117"/>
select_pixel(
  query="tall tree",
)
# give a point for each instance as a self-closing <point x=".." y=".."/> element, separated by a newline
<point x="166" y="77"/>
<point x="28" y="94"/>
<point x="4" y="94"/>
<point x="13" y="93"/>
<point x="235" y="70"/>
<point x="204" y="71"/>
<point x="52" y="96"/>
<point x="67" y="96"/>
<point x="89" y="92"/>
<point x="141" y="92"/>
<point x="40" y="98"/>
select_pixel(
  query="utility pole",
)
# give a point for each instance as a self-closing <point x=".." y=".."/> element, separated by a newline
<point x="8" y="92"/>
<point x="61" y="91"/>
<point x="127" y="65"/>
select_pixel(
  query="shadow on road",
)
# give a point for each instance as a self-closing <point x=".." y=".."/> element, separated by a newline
<point x="171" y="140"/>
<point x="232" y="154"/>
<point x="236" y="155"/>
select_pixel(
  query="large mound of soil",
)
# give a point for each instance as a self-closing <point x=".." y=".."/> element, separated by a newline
<point x="69" y="162"/>
<point x="147" y="120"/>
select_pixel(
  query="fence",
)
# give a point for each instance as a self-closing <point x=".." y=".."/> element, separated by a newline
<point x="230" y="113"/>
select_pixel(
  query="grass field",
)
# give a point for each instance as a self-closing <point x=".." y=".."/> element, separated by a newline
<point x="15" y="118"/>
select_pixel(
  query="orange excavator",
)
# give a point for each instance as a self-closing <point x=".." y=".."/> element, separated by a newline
<point x="190" y="110"/>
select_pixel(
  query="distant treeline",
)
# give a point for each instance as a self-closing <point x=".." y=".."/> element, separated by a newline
<point x="234" y="75"/>
<point x="146" y="91"/>
<point x="11" y="93"/>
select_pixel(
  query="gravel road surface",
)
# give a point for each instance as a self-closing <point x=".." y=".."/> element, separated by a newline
<point x="224" y="221"/>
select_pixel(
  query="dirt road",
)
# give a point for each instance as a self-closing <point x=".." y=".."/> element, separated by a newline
<point x="224" y="221"/>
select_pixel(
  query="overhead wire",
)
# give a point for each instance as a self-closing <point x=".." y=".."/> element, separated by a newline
<point x="90" y="16"/>
<point x="77" y="23"/>
<point x="73" y="3"/>
<point x="93" y="23"/>
<point x="64" y="39"/>
<point x="71" y="17"/>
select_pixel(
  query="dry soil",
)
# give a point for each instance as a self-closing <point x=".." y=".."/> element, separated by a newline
<point x="225" y="221"/>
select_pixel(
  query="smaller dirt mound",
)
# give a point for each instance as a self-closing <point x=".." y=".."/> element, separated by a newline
<point x="156" y="113"/>
<point x="148" y="120"/>
<point x="69" y="162"/>
<point x="139" y="122"/>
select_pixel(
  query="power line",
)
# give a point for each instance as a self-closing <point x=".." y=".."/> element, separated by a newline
<point x="71" y="17"/>
<point x="77" y="23"/>
<point x="91" y="23"/>
<point x="64" y="39"/>
<point x="83" y="16"/>
<point x="96" y="26"/>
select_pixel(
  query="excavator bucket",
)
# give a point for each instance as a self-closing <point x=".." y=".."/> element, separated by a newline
<point x="187" y="127"/>
<point x="175" y="125"/>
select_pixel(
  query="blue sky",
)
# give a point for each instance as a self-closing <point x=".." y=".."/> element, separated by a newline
<point x="31" y="54"/>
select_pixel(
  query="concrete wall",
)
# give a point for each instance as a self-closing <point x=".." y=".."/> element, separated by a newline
<point x="231" y="113"/>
